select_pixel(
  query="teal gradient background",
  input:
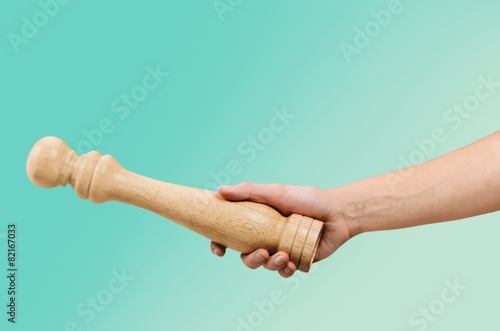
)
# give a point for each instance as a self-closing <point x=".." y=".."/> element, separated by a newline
<point x="352" y="121"/>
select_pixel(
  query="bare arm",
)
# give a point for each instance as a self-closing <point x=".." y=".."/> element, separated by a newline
<point x="461" y="184"/>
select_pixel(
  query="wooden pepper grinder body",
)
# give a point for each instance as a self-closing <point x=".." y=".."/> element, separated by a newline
<point x="243" y="226"/>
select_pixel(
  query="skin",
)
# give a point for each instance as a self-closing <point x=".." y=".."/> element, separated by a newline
<point x="461" y="184"/>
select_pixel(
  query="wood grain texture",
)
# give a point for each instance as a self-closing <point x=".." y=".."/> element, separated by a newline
<point x="243" y="226"/>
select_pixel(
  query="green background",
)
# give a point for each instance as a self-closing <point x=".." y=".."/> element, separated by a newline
<point x="226" y="76"/>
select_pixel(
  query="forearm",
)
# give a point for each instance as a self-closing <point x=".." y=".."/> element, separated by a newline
<point x="461" y="184"/>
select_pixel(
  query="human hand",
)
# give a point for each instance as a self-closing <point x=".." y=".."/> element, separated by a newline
<point x="308" y="201"/>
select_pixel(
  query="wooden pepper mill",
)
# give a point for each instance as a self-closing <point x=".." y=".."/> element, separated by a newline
<point x="244" y="226"/>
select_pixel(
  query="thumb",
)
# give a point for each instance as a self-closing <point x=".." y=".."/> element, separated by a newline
<point x="308" y="201"/>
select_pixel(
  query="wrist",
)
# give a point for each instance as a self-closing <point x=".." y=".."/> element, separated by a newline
<point x="343" y="210"/>
<point x="363" y="207"/>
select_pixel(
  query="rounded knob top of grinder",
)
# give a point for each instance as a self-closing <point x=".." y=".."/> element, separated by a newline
<point x="48" y="162"/>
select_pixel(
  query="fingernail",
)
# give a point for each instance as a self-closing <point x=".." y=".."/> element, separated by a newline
<point x="287" y="270"/>
<point x="259" y="258"/>
<point x="213" y="251"/>
<point x="223" y="187"/>
<point x="279" y="260"/>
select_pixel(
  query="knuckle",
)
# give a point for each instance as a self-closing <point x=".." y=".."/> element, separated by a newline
<point x="280" y="193"/>
<point x="313" y="190"/>
<point x="279" y="189"/>
<point x="247" y="185"/>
